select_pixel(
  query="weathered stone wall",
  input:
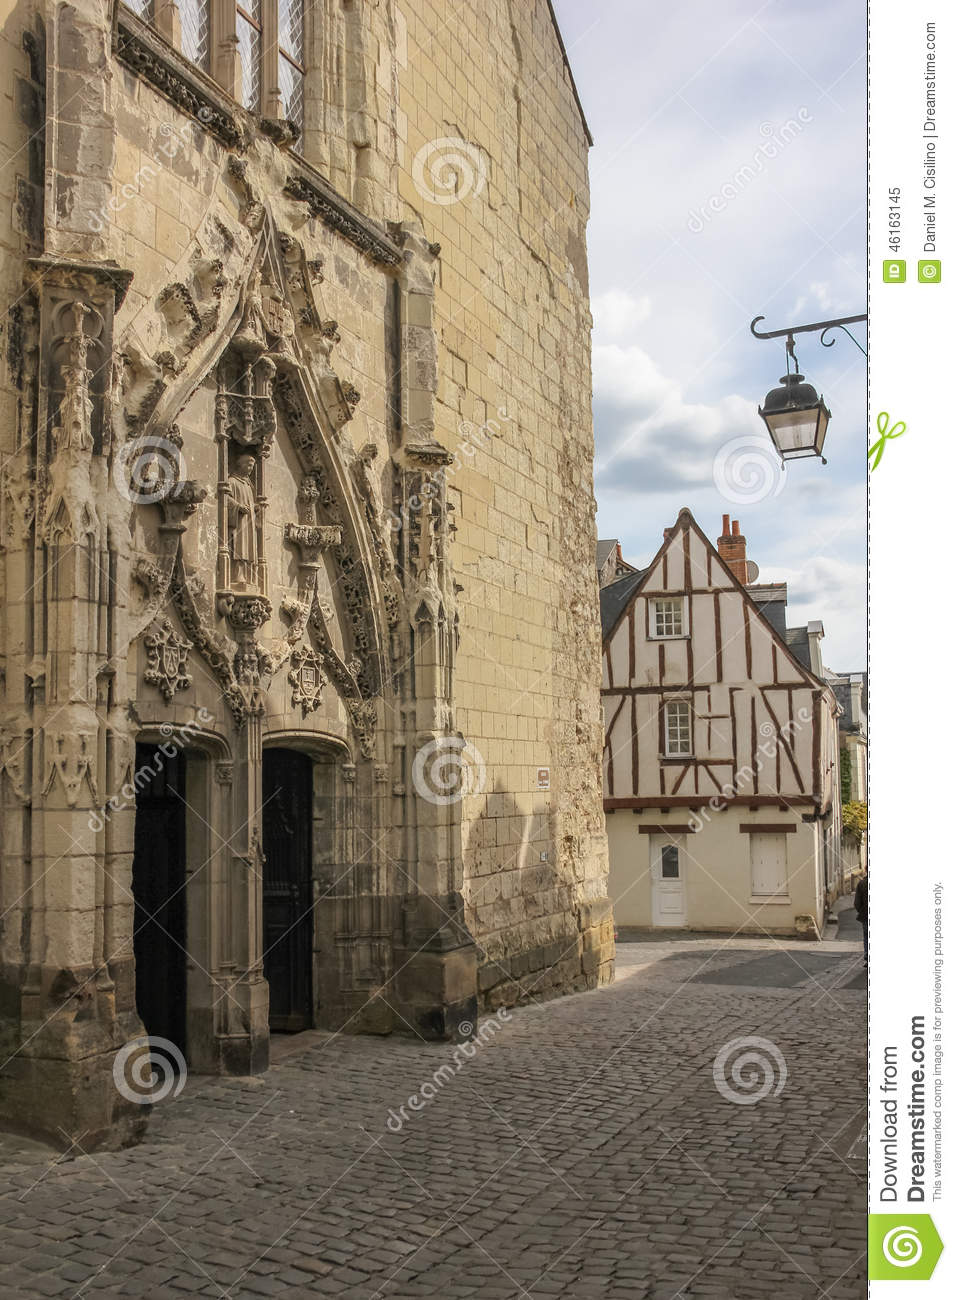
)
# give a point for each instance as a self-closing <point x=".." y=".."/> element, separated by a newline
<point x="420" y="356"/>
<point x="489" y="119"/>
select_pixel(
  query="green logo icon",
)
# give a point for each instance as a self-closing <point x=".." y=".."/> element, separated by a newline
<point x="928" y="272"/>
<point x="902" y="1247"/>
<point x="895" y="272"/>
<point x="886" y="431"/>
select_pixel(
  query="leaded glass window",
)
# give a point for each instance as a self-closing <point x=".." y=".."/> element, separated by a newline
<point x="249" y="29"/>
<point x="270" y="42"/>
<point x="194" y="30"/>
<point x="291" y="50"/>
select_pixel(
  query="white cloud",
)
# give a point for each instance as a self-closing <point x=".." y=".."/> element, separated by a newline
<point x="649" y="436"/>
<point x="618" y="314"/>
<point x="677" y="374"/>
<point x="831" y="589"/>
<point x="818" y="297"/>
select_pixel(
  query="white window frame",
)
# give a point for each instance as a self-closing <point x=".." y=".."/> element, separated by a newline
<point x="682" y="603"/>
<point x="670" y="750"/>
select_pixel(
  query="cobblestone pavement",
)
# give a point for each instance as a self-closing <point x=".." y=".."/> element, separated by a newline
<point x="585" y="1150"/>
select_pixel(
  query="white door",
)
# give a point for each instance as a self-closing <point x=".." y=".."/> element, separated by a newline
<point x="668" y="907"/>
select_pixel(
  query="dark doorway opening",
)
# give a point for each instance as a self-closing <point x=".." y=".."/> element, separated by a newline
<point x="159" y="894"/>
<point x="287" y="888"/>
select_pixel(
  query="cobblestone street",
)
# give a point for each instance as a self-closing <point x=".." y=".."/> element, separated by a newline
<point x="585" y="1150"/>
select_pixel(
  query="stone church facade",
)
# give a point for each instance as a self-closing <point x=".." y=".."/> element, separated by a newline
<point x="300" y="721"/>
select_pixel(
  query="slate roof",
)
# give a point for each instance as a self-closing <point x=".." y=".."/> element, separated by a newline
<point x="615" y="597"/>
<point x="776" y="612"/>
<point x="604" y="548"/>
<point x="840" y="684"/>
<point x="773" y="606"/>
<point x="797" y="641"/>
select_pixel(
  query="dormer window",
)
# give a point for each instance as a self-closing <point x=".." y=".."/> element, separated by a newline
<point x="666" y="618"/>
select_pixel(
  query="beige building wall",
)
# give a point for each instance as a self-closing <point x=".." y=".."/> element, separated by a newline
<point x="513" y="405"/>
<point x="716" y="863"/>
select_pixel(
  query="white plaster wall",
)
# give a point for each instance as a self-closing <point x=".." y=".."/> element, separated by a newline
<point x="717" y="873"/>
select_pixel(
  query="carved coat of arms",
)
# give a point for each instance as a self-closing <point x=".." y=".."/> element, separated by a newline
<point x="167" y="654"/>
<point x="307" y="679"/>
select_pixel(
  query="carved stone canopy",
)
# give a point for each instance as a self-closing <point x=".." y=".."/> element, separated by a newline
<point x="245" y="613"/>
<point x="311" y="539"/>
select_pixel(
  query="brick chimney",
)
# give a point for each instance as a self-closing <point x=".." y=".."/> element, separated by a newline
<point x="732" y="547"/>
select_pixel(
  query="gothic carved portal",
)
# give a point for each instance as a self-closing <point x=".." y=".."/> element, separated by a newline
<point x="269" y="604"/>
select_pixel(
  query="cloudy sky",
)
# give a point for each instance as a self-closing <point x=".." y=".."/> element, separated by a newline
<point x="760" y="106"/>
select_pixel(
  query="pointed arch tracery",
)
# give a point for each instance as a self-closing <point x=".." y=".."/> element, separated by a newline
<point x="266" y="348"/>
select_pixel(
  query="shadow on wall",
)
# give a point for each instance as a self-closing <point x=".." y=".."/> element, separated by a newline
<point x="523" y="905"/>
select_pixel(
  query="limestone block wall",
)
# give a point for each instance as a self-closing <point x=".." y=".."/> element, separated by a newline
<point x="475" y="334"/>
<point x="493" y="157"/>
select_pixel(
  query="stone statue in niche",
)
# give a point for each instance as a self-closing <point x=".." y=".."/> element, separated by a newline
<point x="242" y="533"/>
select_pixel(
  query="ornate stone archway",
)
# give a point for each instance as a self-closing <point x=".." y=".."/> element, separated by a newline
<point x="202" y="544"/>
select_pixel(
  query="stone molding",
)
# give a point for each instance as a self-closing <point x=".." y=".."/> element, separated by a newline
<point x="339" y="215"/>
<point x="148" y="55"/>
<point x="61" y="271"/>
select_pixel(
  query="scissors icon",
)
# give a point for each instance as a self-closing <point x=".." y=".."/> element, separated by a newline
<point x="883" y="423"/>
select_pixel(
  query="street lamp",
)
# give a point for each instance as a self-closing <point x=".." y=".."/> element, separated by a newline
<point x="796" y="417"/>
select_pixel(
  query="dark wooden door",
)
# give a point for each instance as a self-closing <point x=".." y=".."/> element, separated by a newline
<point x="159" y="895"/>
<point x="287" y="888"/>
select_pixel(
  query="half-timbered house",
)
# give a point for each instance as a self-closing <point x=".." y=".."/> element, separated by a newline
<point x="720" y="766"/>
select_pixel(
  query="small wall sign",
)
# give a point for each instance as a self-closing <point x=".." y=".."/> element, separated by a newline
<point x="544" y="778"/>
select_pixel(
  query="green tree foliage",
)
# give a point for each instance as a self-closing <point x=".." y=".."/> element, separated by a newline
<point x="854" y="815"/>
